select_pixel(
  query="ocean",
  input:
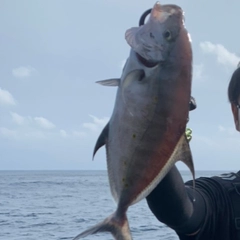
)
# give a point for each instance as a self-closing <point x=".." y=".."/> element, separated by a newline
<point x="58" y="205"/>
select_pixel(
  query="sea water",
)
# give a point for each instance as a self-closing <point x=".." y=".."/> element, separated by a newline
<point x="58" y="205"/>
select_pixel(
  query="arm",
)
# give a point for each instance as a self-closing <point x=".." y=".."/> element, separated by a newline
<point x="172" y="203"/>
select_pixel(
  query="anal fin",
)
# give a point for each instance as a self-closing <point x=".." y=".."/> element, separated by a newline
<point x="184" y="154"/>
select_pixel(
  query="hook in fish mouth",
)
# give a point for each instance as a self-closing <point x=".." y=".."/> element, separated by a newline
<point x="144" y="61"/>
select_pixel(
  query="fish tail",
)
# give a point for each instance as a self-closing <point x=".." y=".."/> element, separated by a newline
<point x="117" y="225"/>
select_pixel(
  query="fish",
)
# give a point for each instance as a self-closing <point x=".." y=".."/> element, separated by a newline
<point x="145" y="135"/>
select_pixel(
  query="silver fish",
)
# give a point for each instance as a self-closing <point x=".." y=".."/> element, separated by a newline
<point x="146" y="133"/>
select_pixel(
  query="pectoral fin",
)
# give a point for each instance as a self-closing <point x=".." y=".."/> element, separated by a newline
<point x="101" y="139"/>
<point x="135" y="75"/>
<point x="114" y="82"/>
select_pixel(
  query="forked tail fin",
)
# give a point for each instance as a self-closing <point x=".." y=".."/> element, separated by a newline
<point x="117" y="226"/>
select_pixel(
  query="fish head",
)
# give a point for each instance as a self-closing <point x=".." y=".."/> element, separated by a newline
<point x="155" y="40"/>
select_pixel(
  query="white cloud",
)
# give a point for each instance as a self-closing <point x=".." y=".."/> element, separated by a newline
<point x="33" y="134"/>
<point x="206" y="141"/>
<point x="26" y="129"/>
<point x="63" y="133"/>
<point x="90" y="126"/>
<point x="78" y="134"/>
<point x="6" y="98"/>
<point x="23" y="72"/>
<point x="44" y="123"/>
<point x="5" y="132"/>
<point x="30" y="121"/>
<point x="222" y="139"/>
<point x="22" y="134"/>
<point x="223" y="55"/>
<point x="221" y="128"/>
<point x="198" y="70"/>
<point x="228" y="130"/>
<point x="17" y="118"/>
<point x="97" y="124"/>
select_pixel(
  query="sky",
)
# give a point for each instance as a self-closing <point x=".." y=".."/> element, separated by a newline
<point x="52" y="52"/>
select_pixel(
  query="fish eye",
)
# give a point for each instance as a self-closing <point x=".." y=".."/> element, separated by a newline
<point x="167" y="35"/>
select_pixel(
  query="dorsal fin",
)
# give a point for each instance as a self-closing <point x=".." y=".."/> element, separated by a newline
<point x="101" y="139"/>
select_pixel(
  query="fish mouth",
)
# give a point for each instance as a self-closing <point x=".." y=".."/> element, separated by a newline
<point x="145" y="62"/>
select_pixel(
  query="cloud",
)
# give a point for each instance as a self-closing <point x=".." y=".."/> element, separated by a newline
<point x="27" y="128"/>
<point x="221" y="139"/>
<point x="23" y="72"/>
<point x="88" y="128"/>
<point x="44" y="123"/>
<point x="33" y="134"/>
<point x="6" y="98"/>
<point x="221" y="128"/>
<point x="204" y="140"/>
<point x="97" y="124"/>
<point x="230" y="131"/>
<point x="5" y="132"/>
<point x="78" y="134"/>
<point x="223" y="55"/>
<point x="30" y="121"/>
<point x="22" y="134"/>
<point x="198" y="72"/>
<point x="17" y="118"/>
<point x="63" y="133"/>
